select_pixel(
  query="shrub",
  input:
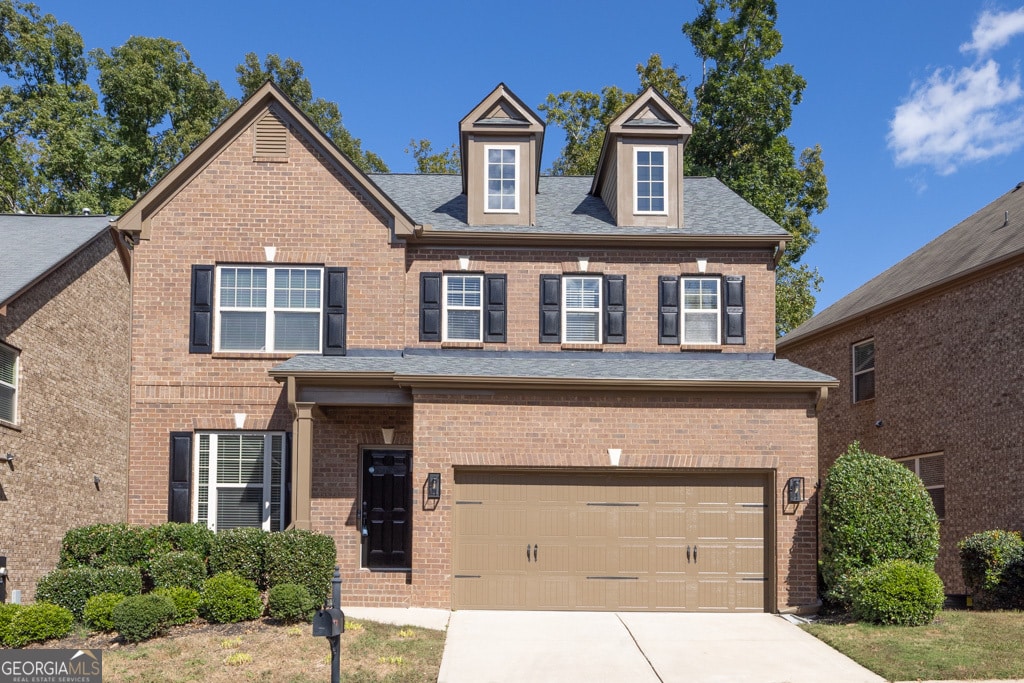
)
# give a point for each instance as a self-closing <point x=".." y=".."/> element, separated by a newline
<point x="38" y="623"/>
<point x="69" y="588"/>
<point x="178" y="568"/>
<point x="102" y="545"/>
<point x="175" y="536"/>
<point x="241" y="551"/>
<point x="7" y="611"/>
<point x="98" y="611"/>
<point x="989" y="562"/>
<point x="118" y="579"/>
<point x="303" y="557"/>
<point x="898" y="592"/>
<point x="289" y="602"/>
<point x="227" y="598"/>
<point x="872" y="510"/>
<point x="139" y="617"/>
<point x="186" y="603"/>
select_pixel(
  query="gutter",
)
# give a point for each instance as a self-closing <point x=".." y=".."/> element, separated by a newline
<point x="424" y="234"/>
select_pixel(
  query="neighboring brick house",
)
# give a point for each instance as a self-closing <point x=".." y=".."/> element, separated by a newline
<point x="493" y="390"/>
<point x="64" y="306"/>
<point x="932" y="374"/>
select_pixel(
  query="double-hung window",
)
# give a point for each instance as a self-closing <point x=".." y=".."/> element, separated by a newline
<point x="702" y="322"/>
<point x="463" y="309"/>
<point x="930" y="469"/>
<point x="864" y="370"/>
<point x="650" y="180"/>
<point x="240" y="480"/>
<point x="8" y="384"/>
<point x="502" y="179"/>
<point x="581" y="304"/>
<point x="269" y="308"/>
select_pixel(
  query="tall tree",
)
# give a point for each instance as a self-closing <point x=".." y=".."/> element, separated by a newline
<point x="288" y="75"/>
<point x="446" y="161"/>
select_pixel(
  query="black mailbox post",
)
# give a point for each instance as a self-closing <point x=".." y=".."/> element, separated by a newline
<point x="329" y="623"/>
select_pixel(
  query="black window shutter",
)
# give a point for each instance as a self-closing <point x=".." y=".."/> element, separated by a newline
<point x="614" y="309"/>
<point x="494" y="308"/>
<point x="550" y="309"/>
<point x="430" y="306"/>
<point x="734" y="318"/>
<point x="668" y="309"/>
<point x="179" y="497"/>
<point x="200" y="333"/>
<point x="335" y="311"/>
<point x="286" y="463"/>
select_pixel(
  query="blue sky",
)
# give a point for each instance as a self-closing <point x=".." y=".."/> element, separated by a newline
<point x="918" y="105"/>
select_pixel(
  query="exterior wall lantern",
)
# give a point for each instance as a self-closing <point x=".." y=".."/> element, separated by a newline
<point x="434" y="486"/>
<point x="3" y="578"/>
<point x="795" y="490"/>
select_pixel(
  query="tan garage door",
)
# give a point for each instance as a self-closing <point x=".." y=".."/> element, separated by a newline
<point x="616" y="541"/>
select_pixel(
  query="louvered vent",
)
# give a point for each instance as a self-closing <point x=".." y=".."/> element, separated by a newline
<point x="271" y="138"/>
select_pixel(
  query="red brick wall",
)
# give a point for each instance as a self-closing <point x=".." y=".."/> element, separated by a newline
<point x="72" y="332"/>
<point x="949" y="377"/>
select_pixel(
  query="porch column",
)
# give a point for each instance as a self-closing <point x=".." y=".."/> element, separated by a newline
<point x="302" y="464"/>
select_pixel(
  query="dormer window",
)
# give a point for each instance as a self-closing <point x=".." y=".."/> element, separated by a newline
<point x="650" y="180"/>
<point x="502" y="179"/>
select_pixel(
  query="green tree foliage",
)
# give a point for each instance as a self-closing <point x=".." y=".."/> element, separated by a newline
<point x="446" y="162"/>
<point x="288" y="75"/>
<point x="897" y="592"/>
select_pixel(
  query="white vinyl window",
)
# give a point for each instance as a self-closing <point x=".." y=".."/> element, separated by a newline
<point x="650" y="180"/>
<point x="268" y="309"/>
<point x="240" y="480"/>
<point x="581" y="307"/>
<point x="702" y="311"/>
<point x="864" y="370"/>
<point x="931" y="468"/>
<point x="502" y="179"/>
<point x="8" y="384"/>
<point x="463" y="308"/>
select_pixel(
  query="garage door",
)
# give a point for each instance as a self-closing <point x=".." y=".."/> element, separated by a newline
<point x="615" y="541"/>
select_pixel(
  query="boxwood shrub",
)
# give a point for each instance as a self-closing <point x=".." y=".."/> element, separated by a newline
<point x="872" y="510"/>
<point x="176" y="536"/>
<point x="228" y="597"/>
<point x="99" y="609"/>
<point x="102" y="545"/>
<point x="186" y="603"/>
<point x="897" y="592"/>
<point x="139" y="617"/>
<point x="38" y="623"/>
<point x="992" y="564"/>
<point x="118" y="579"/>
<point x="71" y="587"/>
<point x="289" y="602"/>
<point x="7" y="611"/>
<point x="178" y="568"/>
<point x="303" y="557"/>
<point x="241" y="551"/>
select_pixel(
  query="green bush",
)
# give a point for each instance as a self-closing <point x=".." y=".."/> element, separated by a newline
<point x="303" y="557"/>
<point x="69" y="588"/>
<point x="99" y="609"/>
<point x="989" y="561"/>
<point x="186" y="603"/>
<point x="38" y="623"/>
<point x="139" y="617"/>
<point x="175" y="536"/>
<point x="896" y="592"/>
<point x="102" y="545"/>
<point x="228" y="597"/>
<point x="872" y="510"/>
<point x="241" y="551"/>
<point x="7" y="612"/>
<point x="178" y="568"/>
<point x="289" y="602"/>
<point x="118" y="579"/>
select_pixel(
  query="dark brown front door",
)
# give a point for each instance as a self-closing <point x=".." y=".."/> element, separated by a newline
<point x="387" y="508"/>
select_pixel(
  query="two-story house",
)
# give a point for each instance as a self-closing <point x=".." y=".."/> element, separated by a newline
<point x="494" y="390"/>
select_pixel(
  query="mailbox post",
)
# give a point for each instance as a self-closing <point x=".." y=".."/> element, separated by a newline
<point x="329" y="623"/>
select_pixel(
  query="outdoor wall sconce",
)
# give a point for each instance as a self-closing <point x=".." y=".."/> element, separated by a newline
<point x="388" y="435"/>
<point x="3" y="578"/>
<point x="434" y="486"/>
<point x="795" y="490"/>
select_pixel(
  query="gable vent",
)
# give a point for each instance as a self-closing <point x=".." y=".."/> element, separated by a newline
<point x="271" y="138"/>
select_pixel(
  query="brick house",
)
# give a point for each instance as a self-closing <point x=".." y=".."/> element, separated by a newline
<point x="497" y="389"/>
<point x="64" y="306"/>
<point x="931" y="372"/>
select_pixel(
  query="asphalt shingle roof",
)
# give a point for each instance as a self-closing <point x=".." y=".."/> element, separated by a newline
<point x="993" y="234"/>
<point x="30" y="246"/>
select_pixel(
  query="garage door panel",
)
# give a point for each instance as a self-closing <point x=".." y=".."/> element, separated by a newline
<point x="749" y="595"/>
<point x="748" y="523"/>
<point x="748" y="561"/>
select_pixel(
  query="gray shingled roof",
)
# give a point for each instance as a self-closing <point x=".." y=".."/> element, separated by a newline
<point x="565" y="365"/>
<point x="993" y="234"/>
<point x="31" y="246"/>
<point x="564" y="206"/>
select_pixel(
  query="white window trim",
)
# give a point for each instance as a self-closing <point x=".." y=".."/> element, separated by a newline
<point x="445" y="307"/>
<point x="13" y="387"/>
<point x="269" y="310"/>
<point x="854" y="373"/>
<point x="636" y="180"/>
<point x="487" y="194"/>
<point x="683" y="311"/>
<point x="599" y="309"/>
<point x="212" y="485"/>
<point x="916" y="459"/>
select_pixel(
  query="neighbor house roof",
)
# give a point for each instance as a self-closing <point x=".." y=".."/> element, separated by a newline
<point x="33" y="246"/>
<point x="993" y="235"/>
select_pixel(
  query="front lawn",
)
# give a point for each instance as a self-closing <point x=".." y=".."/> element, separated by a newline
<point x="957" y="645"/>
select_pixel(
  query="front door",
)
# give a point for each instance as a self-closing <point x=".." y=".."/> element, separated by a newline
<point x="387" y="508"/>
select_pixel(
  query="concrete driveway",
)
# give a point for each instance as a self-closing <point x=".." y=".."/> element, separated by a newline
<point x="634" y="647"/>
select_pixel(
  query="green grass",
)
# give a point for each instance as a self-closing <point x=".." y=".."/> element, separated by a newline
<point x="957" y="645"/>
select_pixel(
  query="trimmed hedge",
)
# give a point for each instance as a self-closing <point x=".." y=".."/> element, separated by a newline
<point x="178" y="537"/>
<point x="38" y="623"/>
<point x="897" y="592"/>
<point x="241" y="551"/>
<point x="178" y="568"/>
<point x="186" y="603"/>
<point x="103" y="545"/>
<point x="7" y="612"/>
<point x="72" y="587"/>
<point x="228" y="597"/>
<point x="992" y="564"/>
<point x="99" y="609"/>
<point x="873" y="509"/>
<point x="290" y="602"/>
<point x="139" y="617"/>
<point x="303" y="557"/>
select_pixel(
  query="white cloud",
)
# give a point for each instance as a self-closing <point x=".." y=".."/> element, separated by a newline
<point x="994" y="30"/>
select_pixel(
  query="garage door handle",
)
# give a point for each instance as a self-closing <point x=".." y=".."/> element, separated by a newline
<point x="534" y="552"/>
<point x="527" y="552"/>
<point x="687" y="554"/>
<point x="695" y="554"/>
